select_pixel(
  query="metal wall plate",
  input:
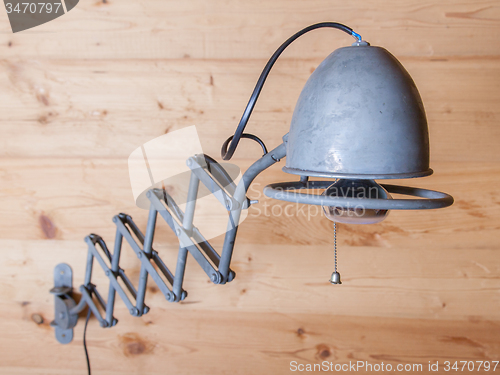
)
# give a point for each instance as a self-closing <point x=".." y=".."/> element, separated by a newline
<point x="63" y="302"/>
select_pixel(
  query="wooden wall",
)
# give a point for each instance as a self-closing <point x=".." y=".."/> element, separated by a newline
<point x="79" y="94"/>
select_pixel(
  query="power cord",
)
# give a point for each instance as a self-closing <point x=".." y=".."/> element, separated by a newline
<point x="227" y="152"/>
<point x="85" y="341"/>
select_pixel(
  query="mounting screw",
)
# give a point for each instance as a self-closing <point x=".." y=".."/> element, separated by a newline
<point x="134" y="311"/>
<point x="104" y="324"/>
<point x="215" y="277"/>
<point x="168" y="296"/>
<point x="189" y="162"/>
<point x="115" y="219"/>
<point x="178" y="232"/>
<point x="107" y="273"/>
<point x="139" y="255"/>
<point x="62" y="315"/>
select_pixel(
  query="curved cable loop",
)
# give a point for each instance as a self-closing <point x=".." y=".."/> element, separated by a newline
<point x="228" y="149"/>
<point x="249" y="136"/>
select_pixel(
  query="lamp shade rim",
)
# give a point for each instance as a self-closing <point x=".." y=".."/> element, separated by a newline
<point x="359" y="176"/>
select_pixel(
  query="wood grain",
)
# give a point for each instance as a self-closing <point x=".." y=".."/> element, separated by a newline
<point x="217" y="29"/>
<point x="80" y="196"/>
<point x="79" y="94"/>
<point x="271" y="314"/>
<point x="108" y="108"/>
<point x="190" y="342"/>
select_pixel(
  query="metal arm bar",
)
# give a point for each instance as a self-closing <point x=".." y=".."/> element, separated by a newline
<point x="255" y="169"/>
<point x="211" y="183"/>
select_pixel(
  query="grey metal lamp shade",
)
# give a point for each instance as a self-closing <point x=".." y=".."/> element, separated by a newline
<point x="359" y="116"/>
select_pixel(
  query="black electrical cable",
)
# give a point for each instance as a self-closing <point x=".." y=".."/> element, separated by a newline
<point x="249" y="136"/>
<point x="227" y="152"/>
<point x="85" y="341"/>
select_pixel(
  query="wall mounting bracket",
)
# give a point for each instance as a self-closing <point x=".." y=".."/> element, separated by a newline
<point x="64" y="320"/>
<point x="204" y="170"/>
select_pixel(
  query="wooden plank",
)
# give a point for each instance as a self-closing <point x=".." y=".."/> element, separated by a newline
<point x="419" y="266"/>
<point x="108" y="108"/>
<point x="80" y="196"/>
<point x="273" y="312"/>
<point x="164" y="29"/>
<point x="170" y="342"/>
<point x="421" y="286"/>
<point x="173" y="342"/>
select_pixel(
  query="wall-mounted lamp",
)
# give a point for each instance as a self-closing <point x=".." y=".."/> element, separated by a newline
<point x="359" y="118"/>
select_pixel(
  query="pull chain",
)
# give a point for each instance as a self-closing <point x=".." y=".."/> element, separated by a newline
<point x="335" y="243"/>
<point x="335" y="279"/>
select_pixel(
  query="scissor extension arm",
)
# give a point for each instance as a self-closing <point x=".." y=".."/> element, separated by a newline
<point x="217" y="267"/>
